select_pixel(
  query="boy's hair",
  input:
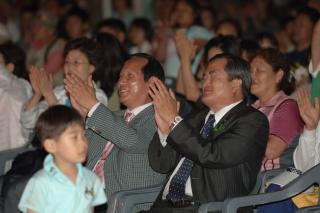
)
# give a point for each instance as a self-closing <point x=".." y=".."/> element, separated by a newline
<point x="55" y="120"/>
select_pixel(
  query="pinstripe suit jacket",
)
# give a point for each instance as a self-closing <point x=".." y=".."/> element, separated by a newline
<point x="226" y="163"/>
<point x="127" y="167"/>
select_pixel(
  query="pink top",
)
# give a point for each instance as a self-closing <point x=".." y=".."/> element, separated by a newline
<point x="284" y="121"/>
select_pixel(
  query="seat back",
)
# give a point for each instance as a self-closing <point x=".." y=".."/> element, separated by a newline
<point x="7" y="156"/>
<point x="300" y="184"/>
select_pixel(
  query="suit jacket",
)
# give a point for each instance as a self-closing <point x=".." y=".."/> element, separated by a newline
<point x="226" y="164"/>
<point x="127" y="167"/>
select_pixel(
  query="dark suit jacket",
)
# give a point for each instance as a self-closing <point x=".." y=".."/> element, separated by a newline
<point x="226" y="164"/>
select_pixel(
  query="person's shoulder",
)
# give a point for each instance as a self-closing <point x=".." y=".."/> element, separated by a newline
<point x="251" y="111"/>
<point x="41" y="177"/>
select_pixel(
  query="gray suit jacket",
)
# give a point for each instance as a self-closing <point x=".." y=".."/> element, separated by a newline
<point x="127" y="167"/>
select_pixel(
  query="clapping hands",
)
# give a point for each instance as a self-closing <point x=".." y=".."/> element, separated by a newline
<point x="165" y="104"/>
<point x="310" y="113"/>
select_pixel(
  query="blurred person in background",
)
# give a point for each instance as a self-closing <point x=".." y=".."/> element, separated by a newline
<point x="46" y="49"/>
<point x="14" y="91"/>
<point x="140" y="36"/>
<point x="115" y="27"/>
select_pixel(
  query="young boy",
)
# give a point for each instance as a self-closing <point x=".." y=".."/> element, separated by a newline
<point x="63" y="185"/>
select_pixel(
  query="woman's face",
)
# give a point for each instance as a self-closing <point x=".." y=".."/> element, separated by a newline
<point x="184" y="15"/>
<point x="264" y="80"/>
<point x="77" y="63"/>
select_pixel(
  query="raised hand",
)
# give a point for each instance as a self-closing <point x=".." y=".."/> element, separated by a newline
<point x="82" y="92"/>
<point x="309" y="113"/>
<point x="34" y="79"/>
<point x="165" y="104"/>
<point x="185" y="48"/>
<point x="45" y="82"/>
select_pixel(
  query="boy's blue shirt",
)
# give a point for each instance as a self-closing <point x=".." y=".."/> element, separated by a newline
<point x="49" y="190"/>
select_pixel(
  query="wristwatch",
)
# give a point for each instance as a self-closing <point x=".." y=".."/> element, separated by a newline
<point x="177" y="119"/>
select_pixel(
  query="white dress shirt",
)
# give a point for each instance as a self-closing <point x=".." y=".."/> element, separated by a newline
<point x="218" y="115"/>
<point x="135" y="111"/>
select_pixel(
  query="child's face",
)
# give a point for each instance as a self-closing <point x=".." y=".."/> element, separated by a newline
<point x="78" y="64"/>
<point x="75" y="27"/>
<point x="184" y="15"/>
<point x="71" y="147"/>
<point x="136" y="35"/>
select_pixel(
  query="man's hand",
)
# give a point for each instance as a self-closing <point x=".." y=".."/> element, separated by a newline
<point x="309" y="113"/>
<point x="185" y="48"/>
<point x="81" y="92"/>
<point x="165" y="104"/>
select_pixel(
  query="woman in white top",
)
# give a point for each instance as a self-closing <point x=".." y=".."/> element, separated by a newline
<point x="82" y="57"/>
<point x="14" y="91"/>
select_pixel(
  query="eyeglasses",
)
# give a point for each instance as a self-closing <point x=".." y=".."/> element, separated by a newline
<point x="75" y="63"/>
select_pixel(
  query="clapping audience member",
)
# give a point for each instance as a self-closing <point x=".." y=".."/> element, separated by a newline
<point x="214" y="153"/>
<point x="15" y="90"/>
<point x="46" y="49"/>
<point x="118" y="142"/>
<point x="272" y="82"/>
<point x="185" y="13"/>
<point x="187" y="82"/>
<point x="63" y="185"/>
<point x="82" y="57"/>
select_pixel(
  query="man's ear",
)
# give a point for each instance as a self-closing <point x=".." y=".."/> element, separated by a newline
<point x="10" y="67"/>
<point x="50" y="145"/>
<point x="279" y="76"/>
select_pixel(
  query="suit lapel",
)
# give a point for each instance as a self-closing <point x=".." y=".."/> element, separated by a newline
<point x="227" y="119"/>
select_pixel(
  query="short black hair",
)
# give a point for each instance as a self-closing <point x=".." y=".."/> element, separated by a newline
<point x="14" y="54"/>
<point x="237" y="68"/>
<point x="228" y="44"/>
<point x="145" y="25"/>
<point x="152" y="68"/>
<point x="55" y="120"/>
<point x="78" y="12"/>
<point x="114" y="23"/>
<point x="231" y="21"/>
<point x="250" y="46"/>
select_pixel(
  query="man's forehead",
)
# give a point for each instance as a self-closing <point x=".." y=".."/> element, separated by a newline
<point x="135" y="63"/>
<point x="219" y="63"/>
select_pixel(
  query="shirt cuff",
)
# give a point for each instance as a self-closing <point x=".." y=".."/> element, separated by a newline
<point x="93" y="109"/>
<point x="163" y="138"/>
<point x="313" y="72"/>
<point x="309" y="134"/>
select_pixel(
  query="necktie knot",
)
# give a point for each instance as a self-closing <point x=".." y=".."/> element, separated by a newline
<point x="128" y="116"/>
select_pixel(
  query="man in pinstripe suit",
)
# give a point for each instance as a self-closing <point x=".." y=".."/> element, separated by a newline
<point x="127" y="166"/>
<point x="212" y="154"/>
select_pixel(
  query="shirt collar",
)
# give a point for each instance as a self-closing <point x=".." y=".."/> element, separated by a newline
<point x="139" y="109"/>
<point x="218" y="115"/>
<point x="52" y="169"/>
<point x="272" y="102"/>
